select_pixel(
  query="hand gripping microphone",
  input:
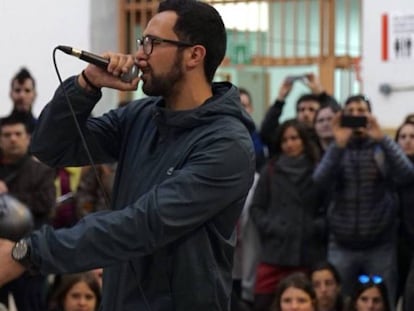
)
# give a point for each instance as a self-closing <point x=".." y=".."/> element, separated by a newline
<point x="99" y="61"/>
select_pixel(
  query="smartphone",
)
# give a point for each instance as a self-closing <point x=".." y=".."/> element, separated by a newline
<point x="292" y="79"/>
<point x="353" y="121"/>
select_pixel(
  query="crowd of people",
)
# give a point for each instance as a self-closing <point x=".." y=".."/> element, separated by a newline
<point x="334" y="192"/>
<point x="317" y="208"/>
<point x="57" y="197"/>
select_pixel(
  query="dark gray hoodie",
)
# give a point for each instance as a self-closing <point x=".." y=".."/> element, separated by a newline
<point x="180" y="186"/>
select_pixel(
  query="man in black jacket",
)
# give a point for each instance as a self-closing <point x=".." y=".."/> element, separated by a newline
<point x="32" y="183"/>
<point x="362" y="167"/>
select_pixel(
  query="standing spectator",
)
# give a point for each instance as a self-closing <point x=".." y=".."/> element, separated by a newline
<point x="327" y="285"/>
<point x="295" y="292"/>
<point x="259" y="147"/>
<point x="370" y="295"/>
<point x="286" y="211"/>
<point x="323" y="125"/>
<point x="247" y="245"/>
<point x="405" y="138"/>
<point x="32" y="183"/>
<point x="361" y="168"/>
<point x="23" y="95"/>
<point x="306" y="107"/>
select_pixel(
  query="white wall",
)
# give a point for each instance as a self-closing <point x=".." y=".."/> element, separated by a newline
<point x="390" y="110"/>
<point x="29" y="30"/>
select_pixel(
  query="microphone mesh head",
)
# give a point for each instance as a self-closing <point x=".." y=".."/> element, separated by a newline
<point x="131" y="75"/>
<point x="15" y="218"/>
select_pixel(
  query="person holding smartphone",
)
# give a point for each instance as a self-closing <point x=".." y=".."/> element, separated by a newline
<point x="362" y="166"/>
<point x="306" y="107"/>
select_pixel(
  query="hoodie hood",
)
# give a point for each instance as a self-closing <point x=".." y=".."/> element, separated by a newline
<point x="225" y="101"/>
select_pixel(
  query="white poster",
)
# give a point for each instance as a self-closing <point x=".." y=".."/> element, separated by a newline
<point x="401" y="36"/>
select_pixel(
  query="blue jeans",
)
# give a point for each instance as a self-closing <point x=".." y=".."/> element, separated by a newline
<point x="379" y="260"/>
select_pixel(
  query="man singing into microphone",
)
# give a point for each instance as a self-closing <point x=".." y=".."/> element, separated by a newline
<point x="185" y="165"/>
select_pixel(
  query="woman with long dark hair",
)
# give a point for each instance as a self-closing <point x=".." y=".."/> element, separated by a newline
<point x="370" y="295"/>
<point x="287" y="212"/>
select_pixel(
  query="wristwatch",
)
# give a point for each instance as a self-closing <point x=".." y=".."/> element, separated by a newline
<point x="21" y="253"/>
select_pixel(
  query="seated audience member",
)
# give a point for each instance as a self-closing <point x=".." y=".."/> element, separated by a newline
<point x="295" y="292"/>
<point x="327" y="285"/>
<point x="370" y="295"/>
<point x="80" y="291"/>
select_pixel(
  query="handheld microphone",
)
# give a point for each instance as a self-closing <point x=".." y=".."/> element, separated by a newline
<point x="99" y="61"/>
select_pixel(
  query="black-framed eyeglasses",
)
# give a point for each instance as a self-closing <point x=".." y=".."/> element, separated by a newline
<point x="364" y="279"/>
<point x="148" y="42"/>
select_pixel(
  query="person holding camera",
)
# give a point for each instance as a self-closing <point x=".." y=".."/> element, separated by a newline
<point x="306" y="107"/>
<point x="362" y="166"/>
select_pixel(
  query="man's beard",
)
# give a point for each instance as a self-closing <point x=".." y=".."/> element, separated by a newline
<point x="164" y="84"/>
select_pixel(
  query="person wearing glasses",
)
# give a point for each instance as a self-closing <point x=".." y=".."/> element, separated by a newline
<point x="370" y="295"/>
<point x="361" y="168"/>
<point x="185" y="166"/>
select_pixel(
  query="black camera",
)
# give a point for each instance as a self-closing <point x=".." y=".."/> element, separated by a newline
<point x="353" y="121"/>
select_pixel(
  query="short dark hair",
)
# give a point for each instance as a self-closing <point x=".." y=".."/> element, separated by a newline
<point x="333" y="107"/>
<point x="326" y="265"/>
<point x="22" y="76"/>
<point x="358" y="98"/>
<point x="308" y="97"/>
<point x="296" y="280"/>
<point x="200" y="23"/>
<point x="12" y="120"/>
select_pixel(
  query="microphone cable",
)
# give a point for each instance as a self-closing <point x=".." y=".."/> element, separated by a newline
<point x="92" y="163"/>
<point x="82" y="137"/>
